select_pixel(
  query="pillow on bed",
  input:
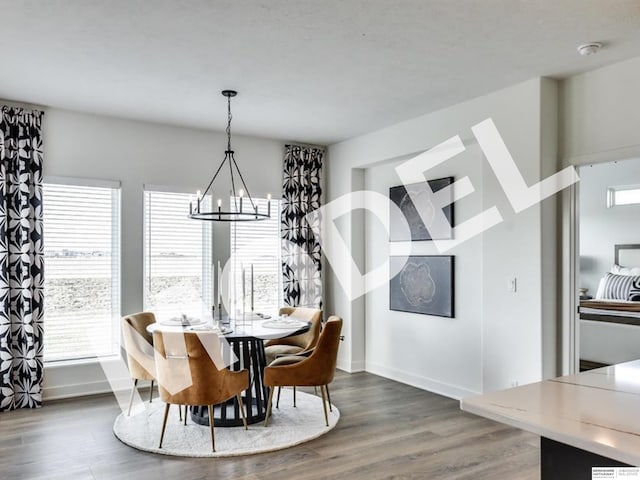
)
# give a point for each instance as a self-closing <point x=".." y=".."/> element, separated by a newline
<point x="620" y="270"/>
<point x="617" y="287"/>
<point x="634" y="293"/>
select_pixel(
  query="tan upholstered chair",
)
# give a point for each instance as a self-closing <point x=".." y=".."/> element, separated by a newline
<point x="139" y="345"/>
<point x="299" y="343"/>
<point x="187" y="374"/>
<point x="317" y="370"/>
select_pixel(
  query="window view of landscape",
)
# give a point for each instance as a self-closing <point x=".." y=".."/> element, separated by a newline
<point x="82" y="289"/>
<point x="81" y="271"/>
<point x="177" y="257"/>
<point x="257" y="244"/>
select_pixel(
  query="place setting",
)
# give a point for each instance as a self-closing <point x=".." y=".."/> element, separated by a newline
<point x="192" y="324"/>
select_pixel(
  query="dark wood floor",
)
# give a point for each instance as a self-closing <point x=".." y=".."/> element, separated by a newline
<point x="387" y="430"/>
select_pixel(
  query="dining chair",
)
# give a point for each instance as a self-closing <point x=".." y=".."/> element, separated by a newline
<point x="316" y="370"/>
<point x="188" y="374"/>
<point x="138" y="344"/>
<point x="297" y="343"/>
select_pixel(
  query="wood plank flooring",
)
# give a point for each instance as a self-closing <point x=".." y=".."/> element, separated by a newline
<point x="387" y="430"/>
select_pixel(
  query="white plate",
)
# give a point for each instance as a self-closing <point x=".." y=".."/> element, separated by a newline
<point x="182" y="322"/>
<point x="283" y="324"/>
<point x="209" y="328"/>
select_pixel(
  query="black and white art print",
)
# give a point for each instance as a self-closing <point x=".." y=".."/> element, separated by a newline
<point x="424" y="285"/>
<point x="429" y="229"/>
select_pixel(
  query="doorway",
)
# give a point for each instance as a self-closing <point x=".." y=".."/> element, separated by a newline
<point x="607" y="214"/>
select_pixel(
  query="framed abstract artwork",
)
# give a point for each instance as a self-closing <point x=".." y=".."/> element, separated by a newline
<point x="403" y="196"/>
<point x="425" y="285"/>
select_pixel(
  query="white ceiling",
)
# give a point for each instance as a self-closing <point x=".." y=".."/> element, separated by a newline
<point x="316" y="71"/>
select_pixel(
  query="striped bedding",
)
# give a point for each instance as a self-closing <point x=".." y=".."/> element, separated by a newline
<point x="619" y="287"/>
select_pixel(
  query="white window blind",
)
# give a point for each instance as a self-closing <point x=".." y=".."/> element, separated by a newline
<point x="81" y="234"/>
<point x="177" y="257"/>
<point x="258" y="244"/>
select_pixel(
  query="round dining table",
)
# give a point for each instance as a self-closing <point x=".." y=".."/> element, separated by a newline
<point x="245" y="340"/>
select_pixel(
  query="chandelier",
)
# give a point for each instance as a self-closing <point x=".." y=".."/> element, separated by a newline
<point x="244" y="210"/>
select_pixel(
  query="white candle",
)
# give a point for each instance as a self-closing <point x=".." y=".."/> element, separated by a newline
<point x="243" y="292"/>
<point x="252" y="287"/>
<point x="219" y="285"/>
<point x="213" y="286"/>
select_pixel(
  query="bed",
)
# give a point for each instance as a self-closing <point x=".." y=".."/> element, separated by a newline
<point x="610" y="323"/>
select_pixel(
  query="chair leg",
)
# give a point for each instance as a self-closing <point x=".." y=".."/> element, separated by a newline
<point x="151" y="392"/>
<point x="326" y="387"/>
<point x="324" y="406"/>
<point x="186" y="409"/>
<point x="133" y="392"/>
<point x="294" y="395"/>
<point x="180" y="412"/>
<point x="278" y="399"/>
<point x="315" y="390"/>
<point x="241" y="404"/>
<point x="266" y="417"/>
<point x="164" y="423"/>
<point x="213" y="439"/>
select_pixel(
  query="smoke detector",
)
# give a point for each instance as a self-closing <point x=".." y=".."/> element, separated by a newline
<point x="589" y="48"/>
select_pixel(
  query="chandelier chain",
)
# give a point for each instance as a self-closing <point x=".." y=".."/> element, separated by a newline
<point x="229" y="117"/>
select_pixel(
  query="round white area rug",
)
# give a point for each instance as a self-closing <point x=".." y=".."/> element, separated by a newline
<point x="288" y="426"/>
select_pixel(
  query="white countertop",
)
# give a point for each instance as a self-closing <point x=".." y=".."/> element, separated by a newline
<point x="597" y="410"/>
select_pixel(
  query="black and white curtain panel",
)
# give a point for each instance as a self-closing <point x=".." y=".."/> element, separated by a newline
<point x="21" y="259"/>
<point x="301" y="255"/>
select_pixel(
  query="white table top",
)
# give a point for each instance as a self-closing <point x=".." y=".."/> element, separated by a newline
<point x="597" y="410"/>
<point x="239" y="329"/>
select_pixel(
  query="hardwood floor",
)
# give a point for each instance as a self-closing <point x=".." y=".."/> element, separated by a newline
<point x="386" y="430"/>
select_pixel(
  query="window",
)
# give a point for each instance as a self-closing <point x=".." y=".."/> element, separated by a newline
<point x="623" y="195"/>
<point x="258" y="244"/>
<point x="81" y="234"/>
<point x="177" y="253"/>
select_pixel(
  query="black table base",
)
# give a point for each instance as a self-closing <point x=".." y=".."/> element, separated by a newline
<point x="250" y="355"/>
<point x="559" y="461"/>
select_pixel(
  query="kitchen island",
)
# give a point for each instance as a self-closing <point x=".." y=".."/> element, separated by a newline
<point x="591" y="419"/>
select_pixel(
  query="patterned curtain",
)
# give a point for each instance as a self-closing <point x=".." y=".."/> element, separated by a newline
<point x="21" y="259"/>
<point x="301" y="256"/>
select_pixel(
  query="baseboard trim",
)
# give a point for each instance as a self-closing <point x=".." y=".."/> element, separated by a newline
<point x="78" y="390"/>
<point x="89" y="377"/>
<point x="351" y="367"/>
<point x="418" y="381"/>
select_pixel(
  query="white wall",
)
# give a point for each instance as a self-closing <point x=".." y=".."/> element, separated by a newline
<point x="496" y="337"/>
<point x="139" y="153"/>
<point x="600" y="114"/>
<point x="419" y="349"/>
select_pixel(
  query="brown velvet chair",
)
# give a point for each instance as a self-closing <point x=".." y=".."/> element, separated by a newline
<point x="317" y="370"/>
<point x="187" y="374"/>
<point x="139" y="344"/>
<point x="298" y="343"/>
